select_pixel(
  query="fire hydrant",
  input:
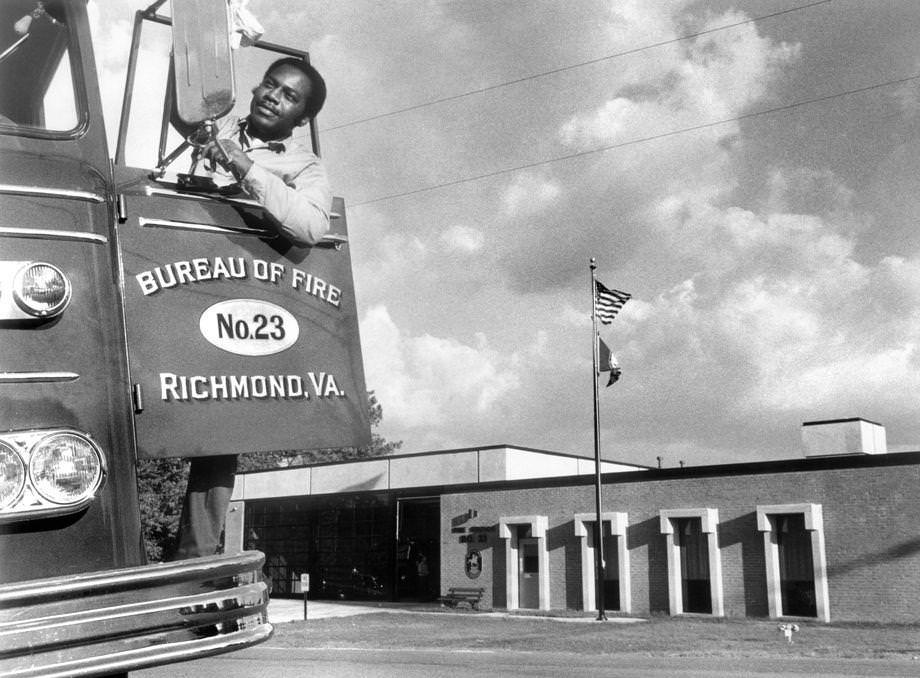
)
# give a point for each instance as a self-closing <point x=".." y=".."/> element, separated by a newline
<point x="788" y="630"/>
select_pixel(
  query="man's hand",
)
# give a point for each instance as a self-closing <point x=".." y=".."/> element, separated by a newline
<point x="227" y="154"/>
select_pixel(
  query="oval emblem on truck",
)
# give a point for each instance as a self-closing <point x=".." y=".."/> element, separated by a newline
<point x="249" y="327"/>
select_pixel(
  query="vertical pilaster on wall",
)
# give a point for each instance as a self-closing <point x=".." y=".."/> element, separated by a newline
<point x="233" y="527"/>
<point x="715" y="569"/>
<point x="771" y="559"/>
<point x="822" y="594"/>
<point x="709" y="521"/>
<point x="675" y="589"/>
<point x="814" y="523"/>
<point x="538" y="526"/>
<point x="616" y="523"/>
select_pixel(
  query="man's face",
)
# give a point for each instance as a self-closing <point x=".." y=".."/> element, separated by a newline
<point x="278" y="103"/>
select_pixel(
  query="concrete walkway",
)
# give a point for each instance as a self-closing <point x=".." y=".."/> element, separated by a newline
<point x="282" y="610"/>
<point x="291" y="609"/>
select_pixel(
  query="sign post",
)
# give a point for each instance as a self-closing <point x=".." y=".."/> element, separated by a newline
<point x="305" y="587"/>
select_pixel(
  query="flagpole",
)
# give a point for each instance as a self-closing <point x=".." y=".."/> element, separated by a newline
<point x="598" y="525"/>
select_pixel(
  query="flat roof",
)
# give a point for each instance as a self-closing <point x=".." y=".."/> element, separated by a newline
<point x="432" y="453"/>
<point x="791" y="465"/>
<point x="469" y="466"/>
<point x="846" y="420"/>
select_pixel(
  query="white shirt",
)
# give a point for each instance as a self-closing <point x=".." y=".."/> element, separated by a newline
<point x="288" y="180"/>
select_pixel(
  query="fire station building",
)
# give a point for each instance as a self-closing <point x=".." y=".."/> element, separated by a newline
<point x="833" y="535"/>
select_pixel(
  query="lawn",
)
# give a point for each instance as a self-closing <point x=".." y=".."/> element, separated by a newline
<point x="659" y="636"/>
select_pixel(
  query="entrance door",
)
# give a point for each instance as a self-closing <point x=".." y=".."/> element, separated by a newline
<point x="528" y="574"/>
<point x="418" y="548"/>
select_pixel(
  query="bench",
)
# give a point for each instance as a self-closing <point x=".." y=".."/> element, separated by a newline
<point x="459" y="595"/>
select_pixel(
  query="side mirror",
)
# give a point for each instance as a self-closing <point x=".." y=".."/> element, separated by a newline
<point x="203" y="63"/>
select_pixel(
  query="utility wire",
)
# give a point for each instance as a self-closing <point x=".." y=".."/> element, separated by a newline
<point x="632" y="142"/>
<point x="562" y="69"/>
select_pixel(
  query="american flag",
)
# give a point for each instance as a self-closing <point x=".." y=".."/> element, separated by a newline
<point x="607" y="303"/>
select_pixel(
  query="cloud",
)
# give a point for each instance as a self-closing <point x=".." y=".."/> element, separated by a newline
<point x="528" y="195"/>
<point x="711" y="78"/>
<point x="463" y="239"/>
<point x="112" y="41"/>
<point x="429" y="382"/>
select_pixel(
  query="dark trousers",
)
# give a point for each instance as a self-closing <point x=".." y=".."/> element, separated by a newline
<point x="207" y="497"/>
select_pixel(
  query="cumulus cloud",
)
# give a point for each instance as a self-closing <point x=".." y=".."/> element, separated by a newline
<point x="714" y="77"/>
<point x="427" y="381"/>
<point x="528" y="194"/>
<point x="464" y="239"/>
<point x="112" y="31"/>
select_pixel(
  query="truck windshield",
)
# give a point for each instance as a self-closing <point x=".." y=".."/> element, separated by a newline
<point x="37" y="90"/>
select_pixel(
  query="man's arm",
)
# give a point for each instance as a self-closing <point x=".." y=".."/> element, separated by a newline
<point x="294" y="190"/>
<point x="299" y="204"/>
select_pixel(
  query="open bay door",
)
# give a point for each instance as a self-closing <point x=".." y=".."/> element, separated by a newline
<point x="238" y="340"/>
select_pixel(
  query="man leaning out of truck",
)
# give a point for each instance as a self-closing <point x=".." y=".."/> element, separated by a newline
<point x="259" y="153"/>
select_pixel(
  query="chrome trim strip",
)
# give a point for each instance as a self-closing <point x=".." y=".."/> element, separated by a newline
<point x="155" y="650"/>
<point x="153" y="190"/>
<point x="46" y="192"/>
<point x="42" y="511"/>
<point x="248" y="202"/>
<point x="334" y="239"/>
<point x="124" y="620"/>
<point x="34" y="377"/>
<point x="207" y="228"/>
<point x="49" y="234"/>
<point x="110" y="582"/>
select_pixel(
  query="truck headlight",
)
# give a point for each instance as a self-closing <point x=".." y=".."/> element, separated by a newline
<point x="12" y="475"/>
<point x="65" y="468"/>
<point x="41" y="289"/>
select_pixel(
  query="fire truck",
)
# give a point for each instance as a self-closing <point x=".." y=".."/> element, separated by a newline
<point x="145" y="313"/>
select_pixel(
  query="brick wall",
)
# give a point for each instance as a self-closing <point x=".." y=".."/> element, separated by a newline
<point x="871" y="526"/>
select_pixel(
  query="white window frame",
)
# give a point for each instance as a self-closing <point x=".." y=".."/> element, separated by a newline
<point x="538" y="526"/>
<point x="814" y="523"/>
<point x="709" y="519"/>
<point x="616" y="523"/>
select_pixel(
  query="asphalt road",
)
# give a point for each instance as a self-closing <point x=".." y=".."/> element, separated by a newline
<point x="266" y="661"/>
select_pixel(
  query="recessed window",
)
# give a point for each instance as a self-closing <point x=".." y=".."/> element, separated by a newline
<point x="694" y="564"/>
<point x="695" y="582"/>
<point x="617" y="592"/>
<point x="793" y="536"/>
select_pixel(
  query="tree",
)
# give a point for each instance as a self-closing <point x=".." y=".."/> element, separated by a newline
<point x="161" y="482"/>
<point x="378" y="447"/>
<point x="160" y="489"/>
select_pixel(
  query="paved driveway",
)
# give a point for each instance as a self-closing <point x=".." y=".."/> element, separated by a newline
<point x="286" y="610"/>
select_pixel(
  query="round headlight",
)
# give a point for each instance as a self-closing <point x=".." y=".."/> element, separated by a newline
<point x="41" y="289"/>
<point x="65" y="468"/>
<point x="12" y="476"/>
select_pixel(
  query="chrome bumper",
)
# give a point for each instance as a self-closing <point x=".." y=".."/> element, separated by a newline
<point x="121" y="620"/>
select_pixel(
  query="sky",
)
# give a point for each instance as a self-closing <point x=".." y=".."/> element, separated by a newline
<point x="746" y="169"/>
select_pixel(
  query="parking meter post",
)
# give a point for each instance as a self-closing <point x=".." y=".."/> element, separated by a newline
<point x="305" y="587"/>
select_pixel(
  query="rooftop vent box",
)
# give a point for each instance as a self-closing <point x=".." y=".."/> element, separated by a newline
<point x="843" y="436"/>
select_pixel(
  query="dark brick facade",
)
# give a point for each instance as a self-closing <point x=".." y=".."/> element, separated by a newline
<point x="871" y="522"/>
